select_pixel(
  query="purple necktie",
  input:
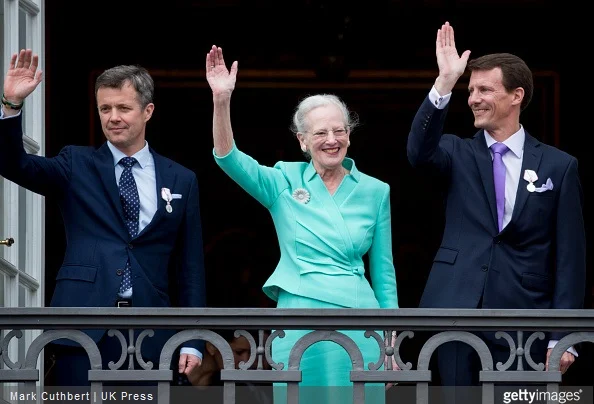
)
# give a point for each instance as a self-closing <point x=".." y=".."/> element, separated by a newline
<point x="499" y="149"/>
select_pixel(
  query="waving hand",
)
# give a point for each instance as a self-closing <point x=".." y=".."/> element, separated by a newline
<point x="221" y="80"/>
<point x="22" y="76"/>
<point x="451" y="66"/>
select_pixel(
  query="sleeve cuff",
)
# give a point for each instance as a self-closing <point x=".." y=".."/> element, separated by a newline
<point x="439" y="101"/>
<point x="191" y="351"/>
<point x="7" y="117"/>
<point x="571" y="349"/>
<point x="233" y="148"/>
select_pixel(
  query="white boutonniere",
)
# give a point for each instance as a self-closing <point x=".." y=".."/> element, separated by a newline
<point x="168" y="197"/>
<point x="531" y="177"/>
<point x="301" y="195"/>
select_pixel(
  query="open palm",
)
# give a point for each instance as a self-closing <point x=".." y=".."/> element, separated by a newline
<point x="449" y="62"/>
<point x="22" y="76"/>
<point x="220" y="80"/>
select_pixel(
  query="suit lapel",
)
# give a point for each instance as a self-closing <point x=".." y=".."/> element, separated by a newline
<point x="485" y="166"/>
<point x="331" y="207"/>
<point x="165" y="178"/>
<point x="103" y="160"/>
<point x="348" y="183"/>
<point x="530" y="161"/>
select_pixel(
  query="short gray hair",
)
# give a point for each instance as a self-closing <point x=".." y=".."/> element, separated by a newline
<point x="137" y="76"/>
<point x="319" y="100"/>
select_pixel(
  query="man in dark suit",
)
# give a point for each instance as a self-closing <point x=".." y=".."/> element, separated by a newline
<point x="514" y="235"/>
<point x="131" y="216"/>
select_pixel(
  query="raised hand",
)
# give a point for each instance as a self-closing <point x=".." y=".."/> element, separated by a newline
<point x="220" y="80"/>
<point x="22" y="76"/>
<point x="451" y="65"/>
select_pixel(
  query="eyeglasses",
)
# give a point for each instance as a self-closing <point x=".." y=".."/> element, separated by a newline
<point x="323" y="133"/>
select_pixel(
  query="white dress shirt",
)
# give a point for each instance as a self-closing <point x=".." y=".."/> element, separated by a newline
<point x="146" y="182"/>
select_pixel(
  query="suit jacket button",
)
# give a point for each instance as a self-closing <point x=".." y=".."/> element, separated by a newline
<point x="119" y="272"/>
<point x="484" y="268"/>
<point x="130" y="246"/>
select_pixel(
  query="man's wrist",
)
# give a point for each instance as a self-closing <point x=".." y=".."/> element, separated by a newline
<point x="11" y="104"/>
<point x="7" y="112"/>
<point x="444" y="85"/>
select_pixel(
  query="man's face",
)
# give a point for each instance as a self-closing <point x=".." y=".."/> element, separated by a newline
<point x="493" y="107"/>
<point x="241" y="352"/>
<point x="123" y="120"/>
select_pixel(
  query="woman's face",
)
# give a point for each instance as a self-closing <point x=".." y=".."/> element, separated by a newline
<point x="326" y="138"/>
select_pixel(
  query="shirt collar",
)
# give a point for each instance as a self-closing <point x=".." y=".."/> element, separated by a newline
<point x="515" y="142"/>
<point x="143" y="156"/>
<point x="347" y="163"/>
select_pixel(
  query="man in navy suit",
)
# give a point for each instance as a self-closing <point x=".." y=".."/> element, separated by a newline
<point x="514" y="235"/>
<point x="131" y="216"/>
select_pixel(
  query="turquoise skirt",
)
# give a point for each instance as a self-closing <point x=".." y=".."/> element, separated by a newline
<point x="325" y="365"/>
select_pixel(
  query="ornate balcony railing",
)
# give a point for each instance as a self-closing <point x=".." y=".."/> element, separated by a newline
<point x="520" y="328"/>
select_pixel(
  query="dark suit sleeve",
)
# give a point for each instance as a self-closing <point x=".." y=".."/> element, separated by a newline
<point x="426" y="146"/>
<point x="570" y="277"/>
<point x="190" y="262"/>
<point x="41" y="175"/>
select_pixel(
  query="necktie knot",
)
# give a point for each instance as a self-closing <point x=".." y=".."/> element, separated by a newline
<point x="499" y="148"/>
<point x="127" y="162"/>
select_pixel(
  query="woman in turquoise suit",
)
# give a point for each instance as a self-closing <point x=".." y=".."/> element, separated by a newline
<point x="327" y="216"/>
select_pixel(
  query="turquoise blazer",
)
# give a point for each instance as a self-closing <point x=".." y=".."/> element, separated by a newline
<point x="323" y="241"/>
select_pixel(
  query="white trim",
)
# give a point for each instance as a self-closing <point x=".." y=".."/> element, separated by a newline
<point x="7" y="268"/>
<point x="11" y="271"/>
<point x="30" y="145"/>
<point x="24" y="274"/>
<point x="11" y="29"/>
<point x="29" y="6"/>
<point x="29" y="282"/>
<point x="11" y="222"/>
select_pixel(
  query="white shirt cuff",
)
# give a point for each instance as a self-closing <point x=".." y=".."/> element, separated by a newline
<point x="439" y="101"/>
<point x="7" y="117"/>
<point x="571" y="349"/>
<point x="191" y="351"/>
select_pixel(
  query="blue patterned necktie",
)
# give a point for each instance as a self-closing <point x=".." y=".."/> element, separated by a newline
<point x="499" y="149"/>
<point x="131" y="205"/>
